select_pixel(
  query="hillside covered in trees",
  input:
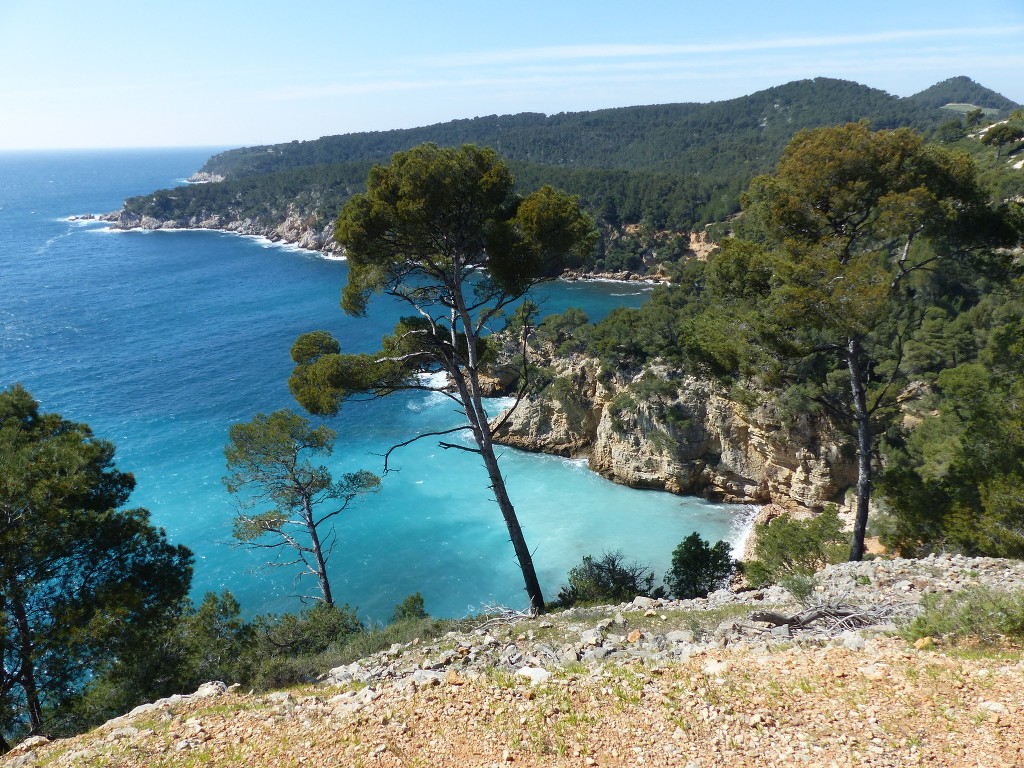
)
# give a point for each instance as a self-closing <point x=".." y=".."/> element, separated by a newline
<point x="716" y="138"/>
<point x="672" y="166"/>
<point x="871" y="292"/>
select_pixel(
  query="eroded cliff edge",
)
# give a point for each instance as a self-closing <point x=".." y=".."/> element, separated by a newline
<point x="667" y="429"/>
<point x="294" y="226"/>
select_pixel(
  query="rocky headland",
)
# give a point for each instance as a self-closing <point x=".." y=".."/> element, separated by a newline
<point x="690" y="438"/>
<point x="294" y="227"/>
<point x="754" y="678"/>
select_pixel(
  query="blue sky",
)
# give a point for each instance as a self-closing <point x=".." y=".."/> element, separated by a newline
<point x="230" y="73"/>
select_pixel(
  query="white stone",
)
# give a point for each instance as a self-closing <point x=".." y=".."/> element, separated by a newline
<point x="591" y="637"/>
<point x="854" y="641"/>
<point x="679" y="636"/>
<point x="715" y="668"/>
<point x="536" y="675"/>
<point x="210" y="690"/>
<point x="993" y="706"/>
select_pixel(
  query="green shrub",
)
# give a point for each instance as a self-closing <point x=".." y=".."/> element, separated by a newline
<point x="609" y="579"/>
<point x="214" y="642"/>
<point x="568" y="332"/>
<point x="410" y="608"/>
<point x="976" y="614"/>
<point x="312" y="630"/>
<point x="698" y="567"/>
<point x="286" y="649"/>
<point x="371" y="641"/>
<point x="786" y="546"/>
<point x="799" y="585"/>
<point x="650" y="387"/>
<point x="287" y="669"/>
<point x="209" y="643"/>
<point x="573" y="404"/>
<point x="619" y="405"/>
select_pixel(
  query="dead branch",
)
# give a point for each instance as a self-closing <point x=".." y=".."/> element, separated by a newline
<point x="499" y="615"/>
<point x="835" y="615"/>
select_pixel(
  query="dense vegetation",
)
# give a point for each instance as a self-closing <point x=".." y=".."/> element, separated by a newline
<point x="698" y="568"/>
<point x="716" y="139"/>
<point x="675" y="166"/>
<point x="963" y="90"/>
<point x="318" y="191"/>
<point x="877" y="295"/>
<point x="83" y="580"/>
<point x="213" y="641"/>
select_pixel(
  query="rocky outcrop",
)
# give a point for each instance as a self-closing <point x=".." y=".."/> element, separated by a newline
<point x="295" y="228"/>
<point x="204" y="177"/>
<point x="688" y="438"/>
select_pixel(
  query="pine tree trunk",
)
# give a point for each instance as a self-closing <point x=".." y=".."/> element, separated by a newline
<point x="467" y="380"/>
<point x="26" y="675"/>
<point x="860" y="407"/>
<point x="318" y="553"/>
<point x="515" y="532"/>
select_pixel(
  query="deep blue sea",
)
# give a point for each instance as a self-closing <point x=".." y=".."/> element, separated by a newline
<point x="161" y="340"/>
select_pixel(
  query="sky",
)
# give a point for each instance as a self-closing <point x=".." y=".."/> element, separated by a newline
<point x="225" y="73"/>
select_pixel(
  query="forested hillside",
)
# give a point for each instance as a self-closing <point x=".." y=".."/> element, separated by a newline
<point x="874" y="283"/>
<point x="963" y="90"/>
<point x="673" y="166"/>
<point x="720" y="138"/>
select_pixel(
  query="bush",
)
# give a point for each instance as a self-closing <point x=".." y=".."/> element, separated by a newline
<point x="568" y="332"/>
<point x="609" y="579"/>
<point x="410" y="608"/>
<point x="312" y="630"/>
<point x="622" y="402"/>
<point x="698" y="567"/>
<point x="214" y="642"/>
<point x="796" y="547"/>
<point x="574" y="405"/>
<point x="979" y="614"/>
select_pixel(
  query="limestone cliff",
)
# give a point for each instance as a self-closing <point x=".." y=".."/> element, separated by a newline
<point x="294" y="227"/>
<point x="689" y="438"/>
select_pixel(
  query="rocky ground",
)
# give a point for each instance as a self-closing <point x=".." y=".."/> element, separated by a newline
<point x="752" y="678"/>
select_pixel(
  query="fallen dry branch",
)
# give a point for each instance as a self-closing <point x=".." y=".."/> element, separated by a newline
<point x="836" y="616"/>
<point x="499" y="615"/>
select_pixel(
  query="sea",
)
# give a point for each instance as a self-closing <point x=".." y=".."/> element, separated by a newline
<point x="161" y="340"/>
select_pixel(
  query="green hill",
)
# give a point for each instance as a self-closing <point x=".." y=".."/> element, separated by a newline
<point x="726" y="137"/>
<point x="672" y="166"/>
<point x="963" y="90"/>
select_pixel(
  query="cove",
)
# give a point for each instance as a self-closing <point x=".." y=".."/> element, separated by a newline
<point x="161" y="340"/>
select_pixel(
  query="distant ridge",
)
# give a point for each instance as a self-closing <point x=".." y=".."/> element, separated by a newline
<point x="671" y="166"/>
<point x="743" y="134"/>
<point x="963" y="90"/>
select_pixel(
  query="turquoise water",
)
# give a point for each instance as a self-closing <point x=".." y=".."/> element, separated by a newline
<point x="161" y="340"/>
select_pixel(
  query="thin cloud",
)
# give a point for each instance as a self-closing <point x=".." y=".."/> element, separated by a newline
<point x="540" y="76"/>
<point x="619" y="51"/>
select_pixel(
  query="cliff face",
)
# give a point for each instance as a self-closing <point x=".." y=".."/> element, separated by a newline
<point x="694" y="441"/>
<point x="295" y="228"/>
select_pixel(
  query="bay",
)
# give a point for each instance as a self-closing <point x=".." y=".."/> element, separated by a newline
<point x="161" y="340"/>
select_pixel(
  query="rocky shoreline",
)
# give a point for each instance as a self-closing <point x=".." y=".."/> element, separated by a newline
<point x="718" y="681"/>
<point x="301" y="230"/>
<point x="296" y="228"/>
